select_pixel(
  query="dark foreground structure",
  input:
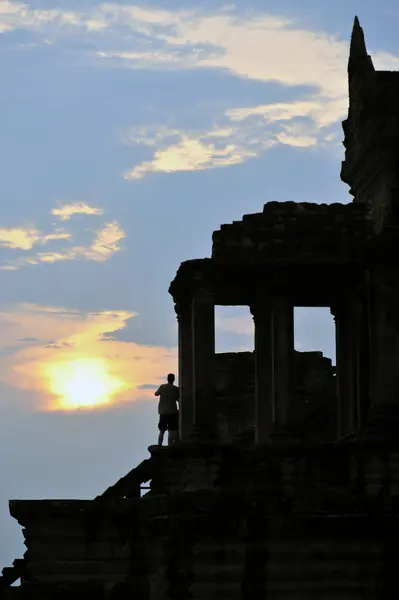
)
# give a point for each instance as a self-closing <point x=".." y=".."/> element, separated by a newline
<point x="285" y="482"/>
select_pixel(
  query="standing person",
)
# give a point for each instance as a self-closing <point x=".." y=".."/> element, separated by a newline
<point x="168" y="410"/>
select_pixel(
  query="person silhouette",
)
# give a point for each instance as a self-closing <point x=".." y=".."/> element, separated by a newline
<point x="168" y="410"/>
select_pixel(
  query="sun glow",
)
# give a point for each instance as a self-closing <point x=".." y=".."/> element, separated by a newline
<point x="83" y="383"/>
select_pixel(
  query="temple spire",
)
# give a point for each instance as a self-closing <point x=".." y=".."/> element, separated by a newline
<point x="358" y="50"/>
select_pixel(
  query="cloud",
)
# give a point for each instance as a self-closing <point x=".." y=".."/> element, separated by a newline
<point x="242" y="45"/>
<point x="66" y="211"/>
<point x="224" y="145"/>
<point x="322" y="114"/>
<point x="239" y="44"/>
<point x="76" y="354"/>
<point x="18" y="15"/>
<point x="104" y="244"/>
<point x="19" y="237"/>
<point x="58" y="234"/>
<point x="250" y="44"/>
<point x="24" y="238"/>
<point x="254" y="45"/>
<point x="197" y="151"/>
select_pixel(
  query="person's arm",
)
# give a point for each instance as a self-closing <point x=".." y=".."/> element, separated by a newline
<point x="158" y="392"/>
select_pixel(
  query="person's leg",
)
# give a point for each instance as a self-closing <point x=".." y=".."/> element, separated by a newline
<point x="162" y="428"/>
<point x="173" y="428"/>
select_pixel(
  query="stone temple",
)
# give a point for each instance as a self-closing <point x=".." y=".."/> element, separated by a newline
<point x="284" y="484"/>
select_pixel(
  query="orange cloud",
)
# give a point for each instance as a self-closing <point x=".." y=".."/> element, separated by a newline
<point x="66" y="211"/>
<point x="103" y="245"/>
<point x="72" y="360"/>
<point x="58" y="234"/>
<point x="23" y="238"/>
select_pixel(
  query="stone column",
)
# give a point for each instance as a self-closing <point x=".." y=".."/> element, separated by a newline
<point x="383" y="319"/>
<point x="203" y="327"/>
<point x="274" y="365"/>
<point x="362" y="363"/>
<point x="385" y="335"/>
<point x="283" y="343"/>
<point x="346" y="369"/>
<point x="184" y="317"/>
<point x="264" y="386"/>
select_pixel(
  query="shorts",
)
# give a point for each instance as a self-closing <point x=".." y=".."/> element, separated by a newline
<point x="169" y="422"/>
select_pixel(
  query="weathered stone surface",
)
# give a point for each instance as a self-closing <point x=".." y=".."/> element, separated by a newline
<point x="315" y="396"/>
<point x="295" y="233"/>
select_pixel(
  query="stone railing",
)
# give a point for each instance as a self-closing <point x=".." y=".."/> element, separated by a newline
<point x="8" y="577"/>
<point x="129" y="486"/>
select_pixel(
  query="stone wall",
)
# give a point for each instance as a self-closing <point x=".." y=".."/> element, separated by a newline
<point x="79" y="549"/>
<point x="286" y="522"/>
<point x="315" y="393"/>
<point x="234" y="402"/>
<point x="289" y="523"/>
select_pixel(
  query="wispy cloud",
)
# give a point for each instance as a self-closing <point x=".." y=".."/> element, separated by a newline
<point x="66" y="211"/>
<point x="104" y="243"/>
<point x="19" y="15"/>
<point x="19" y="237"/>
<point x="24" y="238"/>
<point x="241" y="44"/>
<point x="58" y="234"/>
<point x="253" y="45"/>
<point x="232" y="142"/>
<point x="66" y="346"/>
<point x="238" y="42"/>
<point x="195" y="151"/>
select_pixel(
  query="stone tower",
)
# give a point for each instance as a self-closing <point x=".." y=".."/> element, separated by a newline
<point x="371" y="133"/>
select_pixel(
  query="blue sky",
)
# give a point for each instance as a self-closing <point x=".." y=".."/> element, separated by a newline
<point x="128" y="134"/>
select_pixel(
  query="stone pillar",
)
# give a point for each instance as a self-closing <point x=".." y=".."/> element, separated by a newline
<point x="274" y="365"/>
<point x="264" y="385"/>
<point x="203" y="327"/>
<point x="383" y="319"/>
<point x="346" y="369"/>
<point x="384" y="332"/>
<point x="184" y="317"/>
<point x="362" y="363"/>
<point x="283" y="342"/>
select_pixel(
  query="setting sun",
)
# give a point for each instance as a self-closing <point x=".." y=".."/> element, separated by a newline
<point x="83" y="383"/>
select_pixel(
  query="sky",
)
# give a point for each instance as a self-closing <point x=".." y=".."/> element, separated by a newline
<point x="129" y="132"/>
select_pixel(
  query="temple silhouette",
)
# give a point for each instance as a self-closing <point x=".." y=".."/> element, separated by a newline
<point x="284" y="484"/>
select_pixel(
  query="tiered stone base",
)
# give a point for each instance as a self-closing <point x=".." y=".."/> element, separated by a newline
<point x="285" y="522"/>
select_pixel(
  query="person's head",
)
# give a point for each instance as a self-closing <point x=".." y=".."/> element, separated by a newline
<point x="171" y="378"/>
